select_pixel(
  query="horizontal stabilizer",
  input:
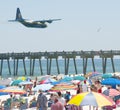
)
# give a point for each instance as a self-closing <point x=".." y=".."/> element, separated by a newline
<point x="12" y="20"/>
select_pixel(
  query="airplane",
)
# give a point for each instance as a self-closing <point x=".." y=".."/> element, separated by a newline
<point x="31" y="23"/>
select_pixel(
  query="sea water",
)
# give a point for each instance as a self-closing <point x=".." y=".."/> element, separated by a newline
<point x="61" y="62"/>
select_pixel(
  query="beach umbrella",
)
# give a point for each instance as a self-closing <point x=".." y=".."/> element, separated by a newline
<point x="92" y="99"/>
<point x="67" y="78"/>
<point x="16" y="82"/>
<point x="111" y="81"/>
<point x="111" y="92"/>
<point x="44" y="77"/>
<point x="81" y="78"/>
<point x="23" y="78"/>
<point x="60" y="76"/>
<point x="63" y="86"/>
<point x="48" y="80"/>
<point x="107" y="75"/>
<point x="1" y="86"/>
<point x="13" y="89"/>
<point x="44" y="87"/>
<point x="96" y="76"/>
<point x="90" y="73"/>
<point x="5" y="82"/>
<point x="25" y="83"/>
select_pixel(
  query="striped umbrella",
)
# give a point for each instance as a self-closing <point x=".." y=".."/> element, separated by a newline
<point x="91" y="98"/>
<point x="111" y="92"/>
<point x="13" y="89"/>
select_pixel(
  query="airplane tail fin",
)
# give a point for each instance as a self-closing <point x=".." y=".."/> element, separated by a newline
<point x="18" y="14"/>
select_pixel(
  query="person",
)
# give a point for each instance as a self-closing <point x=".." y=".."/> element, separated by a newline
<point x="33" y="102"/>
<point x="61" y="99"/>
<point x="51" y="100"/>
<point x="98" y="86"/>
<point x="84" y="87"/>
<point x="93" y="88"/>
<point x="67" y="96"/>
<point x="8" y="103"/>
<point x="41" y="101"/>
<point x="79" y="89"/>
<point x="57" y="105"/>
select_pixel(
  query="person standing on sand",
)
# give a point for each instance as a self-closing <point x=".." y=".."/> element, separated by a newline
<point x="41" y="101"/>
<point x="57" y="105"/>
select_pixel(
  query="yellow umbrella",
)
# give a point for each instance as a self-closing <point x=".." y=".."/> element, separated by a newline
<point x="91" y="98"/>
<point x="23" y="78"/>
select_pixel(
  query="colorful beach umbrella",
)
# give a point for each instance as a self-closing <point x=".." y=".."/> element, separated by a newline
<point x="111" y="92"/>
<point x="13" y="89"/>
<point x="63" y="86"/>
<point x="96" y="76"/>
<point x="46" y="81"/>
<point x="92" y="99"/>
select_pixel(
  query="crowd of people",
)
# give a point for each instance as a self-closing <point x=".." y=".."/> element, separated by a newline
<point x="56" y="101"/>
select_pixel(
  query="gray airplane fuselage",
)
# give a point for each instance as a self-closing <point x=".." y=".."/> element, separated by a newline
<point x="33" y="24"/>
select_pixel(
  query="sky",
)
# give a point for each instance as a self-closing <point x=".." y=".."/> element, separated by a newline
<point x="86" y="25"/>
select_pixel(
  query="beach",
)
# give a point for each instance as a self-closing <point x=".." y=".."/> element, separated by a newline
<point x="66" y="84"/>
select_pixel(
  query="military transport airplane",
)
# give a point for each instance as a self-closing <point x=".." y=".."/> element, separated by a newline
<point x="31" y="23"/>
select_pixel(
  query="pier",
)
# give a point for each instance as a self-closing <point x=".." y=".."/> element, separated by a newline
<point x="49" y="56"/>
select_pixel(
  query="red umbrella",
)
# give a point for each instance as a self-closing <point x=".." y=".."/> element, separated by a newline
<point x="111" y="92"/>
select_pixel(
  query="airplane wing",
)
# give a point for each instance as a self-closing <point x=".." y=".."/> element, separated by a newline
<point x="48" y="21"/>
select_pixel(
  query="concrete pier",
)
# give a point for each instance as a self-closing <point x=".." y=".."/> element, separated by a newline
<point x="49" y="56"/>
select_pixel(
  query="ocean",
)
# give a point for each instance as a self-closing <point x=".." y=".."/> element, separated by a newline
<point x="79" y="63"/>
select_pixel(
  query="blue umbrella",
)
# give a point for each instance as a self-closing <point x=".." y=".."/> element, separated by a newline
<point x="1" y="86"/>
<point x="67" y="78"/>
<point x="111" y="81"/>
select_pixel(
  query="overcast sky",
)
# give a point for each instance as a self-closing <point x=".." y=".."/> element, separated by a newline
<point x="85" y="25"/>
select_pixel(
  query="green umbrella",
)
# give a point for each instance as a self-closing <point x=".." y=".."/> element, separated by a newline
<point x="15" y="82"/>
<point x="81" y="78"/>
<point x="107" y="75"/>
